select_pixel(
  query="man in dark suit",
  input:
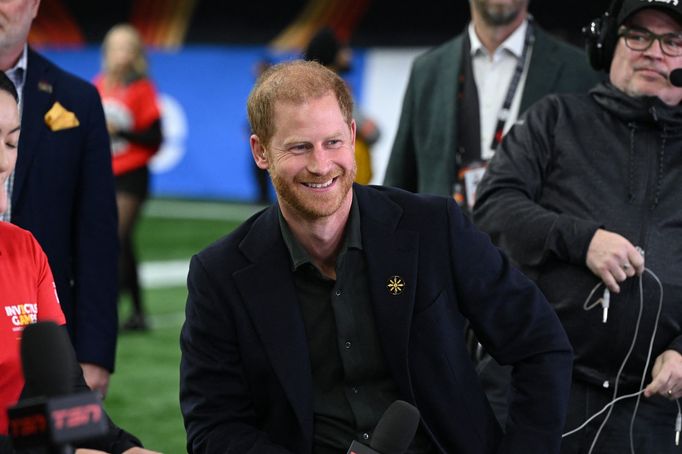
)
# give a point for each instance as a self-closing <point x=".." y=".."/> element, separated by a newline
<point x="461" y="97"/>
<point x="306" y="322"/>
<point x="63" y="190"/>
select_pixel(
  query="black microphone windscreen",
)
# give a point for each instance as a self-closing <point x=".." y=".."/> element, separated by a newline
<point x="396" y="428"/>
<point x="676" y="77"/>
<point x="47" y="359"/>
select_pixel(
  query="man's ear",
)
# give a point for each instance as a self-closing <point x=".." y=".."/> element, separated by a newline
<point x="34" y="8"/>
<point x="353" y="131"/>
<point x="258" y="152"/>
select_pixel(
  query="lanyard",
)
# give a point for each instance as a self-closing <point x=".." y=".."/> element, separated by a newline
<point x="503" y="114"/>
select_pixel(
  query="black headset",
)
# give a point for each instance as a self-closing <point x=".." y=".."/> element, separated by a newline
<point x="601" y="36"/>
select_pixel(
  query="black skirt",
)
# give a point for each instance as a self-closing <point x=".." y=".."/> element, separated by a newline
<point x="135" y="182"/>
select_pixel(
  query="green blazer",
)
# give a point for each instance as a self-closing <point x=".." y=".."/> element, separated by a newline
<point x="423" y="154"/>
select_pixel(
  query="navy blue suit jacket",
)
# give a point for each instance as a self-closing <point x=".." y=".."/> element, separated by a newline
<point x="64" y="194"/>
<point x="245" y="379"/>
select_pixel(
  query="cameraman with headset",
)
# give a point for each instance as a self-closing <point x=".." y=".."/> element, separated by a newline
<point x="584" y="193"/>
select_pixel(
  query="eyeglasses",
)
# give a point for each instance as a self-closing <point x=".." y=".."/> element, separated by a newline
<point x="640" y="40"/>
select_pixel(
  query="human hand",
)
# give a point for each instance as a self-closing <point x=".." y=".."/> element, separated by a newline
<point x="96" y="377"/>
<point x="666" y="376"/>
<point x="112" y="128"/>
<point x="613" y="259"/>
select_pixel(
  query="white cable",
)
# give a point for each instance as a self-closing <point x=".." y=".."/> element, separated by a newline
<point x="651" y="347"/>
<point x="589" y="420"/>
<point x="617" y="382"/>
<point x="586" y="304"/>
<point x="604" y="301"/>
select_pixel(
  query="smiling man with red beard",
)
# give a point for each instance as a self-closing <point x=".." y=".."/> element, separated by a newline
<point x="305" y="323"/>
<point x="310" y="160"/>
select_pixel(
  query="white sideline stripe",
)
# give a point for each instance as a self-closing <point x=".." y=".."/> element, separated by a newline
<point x="172" y="273"/>
<point x="182" y="209"/>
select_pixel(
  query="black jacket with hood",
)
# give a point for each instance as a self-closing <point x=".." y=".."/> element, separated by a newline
<point x="571" y="165"/>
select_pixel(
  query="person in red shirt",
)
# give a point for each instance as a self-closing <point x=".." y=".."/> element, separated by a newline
<point x="26" y="283"/>
<point x="28" y="293"/>
<point x="134" y="124"/>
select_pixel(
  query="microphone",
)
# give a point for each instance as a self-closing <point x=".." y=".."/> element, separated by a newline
<point x="49" y="415"/>
<point x="394" y="432"/>
<point x="45" y="357"/>
<point x="675" y="77"/>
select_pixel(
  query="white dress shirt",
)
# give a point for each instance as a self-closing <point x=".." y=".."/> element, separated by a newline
<point x="493" y="74"/>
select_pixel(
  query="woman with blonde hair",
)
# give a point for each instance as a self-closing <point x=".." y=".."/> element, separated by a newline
<point x="134" y="124"/>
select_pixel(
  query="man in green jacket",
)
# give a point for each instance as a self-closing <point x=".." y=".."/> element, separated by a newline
<point x="463" y="95"/>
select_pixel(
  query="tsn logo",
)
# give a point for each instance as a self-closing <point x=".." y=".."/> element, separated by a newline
<point x="70" y="418"/>
<point x="62" y="419"/>
<point x="28" y="425"/>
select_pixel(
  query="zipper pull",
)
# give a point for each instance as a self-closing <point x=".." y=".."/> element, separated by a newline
<point x="652" y="111"/>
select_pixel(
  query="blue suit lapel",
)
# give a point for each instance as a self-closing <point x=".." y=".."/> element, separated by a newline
<point x="392" y="254"/>
<point x="37" y="101"/>
<point x="268" y="288"/>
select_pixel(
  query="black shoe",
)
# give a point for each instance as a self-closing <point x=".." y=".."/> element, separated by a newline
<point x="136" y="322"/>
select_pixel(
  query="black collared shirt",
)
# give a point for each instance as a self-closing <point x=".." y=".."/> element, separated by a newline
<point x="352" y="386"/>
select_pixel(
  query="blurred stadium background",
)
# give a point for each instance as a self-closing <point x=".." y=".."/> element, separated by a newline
<point x="203" y="55"/>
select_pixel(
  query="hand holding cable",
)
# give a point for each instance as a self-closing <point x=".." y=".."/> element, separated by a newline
<point x="613" y="259"/>
<point x="666" y="376"/>
<point x="667" y="381"/>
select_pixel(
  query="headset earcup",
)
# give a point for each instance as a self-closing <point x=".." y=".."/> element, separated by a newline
<point x="601" y="36"/>
<point x="591" y="33"/>
<point x="600" y="42"/>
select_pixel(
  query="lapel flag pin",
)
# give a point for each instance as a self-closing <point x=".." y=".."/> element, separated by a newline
<point x="395" y="285"/>
<point x="45" y="86"/>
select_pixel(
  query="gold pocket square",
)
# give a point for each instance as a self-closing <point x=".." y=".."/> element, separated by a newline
<point x="58" y="118"/>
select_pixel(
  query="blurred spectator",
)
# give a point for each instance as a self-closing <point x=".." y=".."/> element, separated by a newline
<point x="134" y="124"/>
<point x="326" y="49"/>
<point x="465" y="94"/>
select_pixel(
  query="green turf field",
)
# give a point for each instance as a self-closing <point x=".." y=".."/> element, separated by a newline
<point x="143" y="396"/>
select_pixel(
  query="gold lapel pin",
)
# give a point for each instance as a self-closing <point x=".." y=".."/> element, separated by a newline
<point x="45" y="86"/>
<point x="395" y="285"/>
